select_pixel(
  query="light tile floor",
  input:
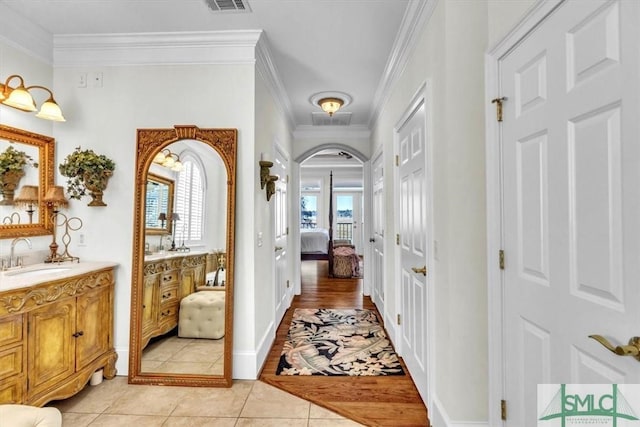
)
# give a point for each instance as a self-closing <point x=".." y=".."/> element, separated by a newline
<point x="246" y="403"/>
<point x="184" y="355"/>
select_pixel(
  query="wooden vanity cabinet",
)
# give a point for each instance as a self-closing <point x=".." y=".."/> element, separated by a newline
<point x="60" y="334"/>
<point x="166" y="282"/>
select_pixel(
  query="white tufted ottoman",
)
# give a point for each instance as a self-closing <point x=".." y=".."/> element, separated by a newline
<point x="202" y="315"/>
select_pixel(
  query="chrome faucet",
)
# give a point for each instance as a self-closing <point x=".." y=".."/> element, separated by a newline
<point x="13" y="261"/>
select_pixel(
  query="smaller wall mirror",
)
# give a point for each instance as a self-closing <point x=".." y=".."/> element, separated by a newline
<point x="159" y="204"/>
<point x="29" y="216"/>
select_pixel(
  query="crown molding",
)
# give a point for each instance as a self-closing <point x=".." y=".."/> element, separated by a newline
<point x="197" y="47"/>
<point x="335" y="132"/>
<point x="267" y="69"/>
<point x="23" y="35"/>
<point x="415" y="18"/>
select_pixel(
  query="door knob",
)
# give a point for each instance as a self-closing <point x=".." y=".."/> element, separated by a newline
<point x="372" y="239"/>
<point x="632" y="349"/>
<point x="422" y="270"/>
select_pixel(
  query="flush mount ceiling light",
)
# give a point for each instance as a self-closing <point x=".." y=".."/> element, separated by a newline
<point x="330" y="102"/>
<point x="20" y="98"/>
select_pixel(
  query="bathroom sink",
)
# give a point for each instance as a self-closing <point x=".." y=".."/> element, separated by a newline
<point x="40" y="271"/>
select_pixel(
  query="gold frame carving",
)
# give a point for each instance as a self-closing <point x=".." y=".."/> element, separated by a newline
<point x="46" y="150"/>
<point x="149" y="143"/>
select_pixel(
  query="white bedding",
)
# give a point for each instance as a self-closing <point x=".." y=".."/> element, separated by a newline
<point x="314" y="240"/>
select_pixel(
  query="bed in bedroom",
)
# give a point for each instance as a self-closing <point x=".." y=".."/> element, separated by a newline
<point x="318" y="244"/>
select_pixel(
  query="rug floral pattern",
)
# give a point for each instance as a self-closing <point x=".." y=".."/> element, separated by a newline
<point x="337" y="342"/>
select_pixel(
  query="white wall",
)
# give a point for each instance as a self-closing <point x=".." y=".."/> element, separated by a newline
<point x="271" y="129"/>
<point x="449" y="56"/>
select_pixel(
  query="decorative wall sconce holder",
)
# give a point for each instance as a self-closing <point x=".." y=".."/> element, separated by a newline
<point x="266" y="179"/>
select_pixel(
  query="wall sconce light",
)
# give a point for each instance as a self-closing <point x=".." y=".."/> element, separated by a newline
<point x="169" y="160"/>
<point x="20" y="97"/>
<point x="27" y="198"/>
<point x="266" y="179"/>
<point x="330" y="105"/>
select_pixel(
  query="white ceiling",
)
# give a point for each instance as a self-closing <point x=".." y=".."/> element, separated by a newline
<point x="317" y="45"/>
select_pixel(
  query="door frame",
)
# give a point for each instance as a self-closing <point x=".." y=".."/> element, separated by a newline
<point x="422" y="96"/>
<point x="533" y="18"/>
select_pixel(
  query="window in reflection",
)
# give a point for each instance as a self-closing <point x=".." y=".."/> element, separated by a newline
<point x="190" y="201"/>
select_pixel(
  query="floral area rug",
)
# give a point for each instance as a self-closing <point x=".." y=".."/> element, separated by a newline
<point x="337" y="342"/>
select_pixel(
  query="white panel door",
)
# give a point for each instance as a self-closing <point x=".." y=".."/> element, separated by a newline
<point x="283" y="289"/>
<point x="413" y="246"/>
<point x="571" y="216"/>
<point x="377" y="239"/>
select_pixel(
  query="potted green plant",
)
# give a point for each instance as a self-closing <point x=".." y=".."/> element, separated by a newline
<point x="12" y="163"/>
<point x="88" y="173"/>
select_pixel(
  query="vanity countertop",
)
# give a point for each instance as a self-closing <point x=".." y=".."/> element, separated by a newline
<point x="172" y="254"/>
<point x="41" y="273"/>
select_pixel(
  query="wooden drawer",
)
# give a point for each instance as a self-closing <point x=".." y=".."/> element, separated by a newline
<point x="168" y="316"/>
<point x="11" y="390"/>
<point x="169" y="294"/>
<point x="11" y="330"/>
<point x="11" y="361"/>
<point x="170" y="277"/>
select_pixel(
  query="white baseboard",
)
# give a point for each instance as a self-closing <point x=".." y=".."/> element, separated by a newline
<point x="438" y="417"/>
<point x="247" y="364"/>
<point x="122" y="364"/>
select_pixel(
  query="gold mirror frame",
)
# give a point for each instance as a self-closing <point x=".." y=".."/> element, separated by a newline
<point x="161" y="180"/>
<point x="149" y="143"/>
<point x="46" y="151"/>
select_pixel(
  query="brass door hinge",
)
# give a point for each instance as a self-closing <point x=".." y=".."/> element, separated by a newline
<point x="397" y="160"/>
<point x="397" y="239"/>
<point x="287" y="284"/>
<point x="287" y="231"/>
<point x="399" y="320"/>
<point x="503" y="409"/>
<point x="501" y="259"/>
<point x="498" y="102"/>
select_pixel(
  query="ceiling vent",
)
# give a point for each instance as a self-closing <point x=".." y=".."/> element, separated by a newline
<point x="339" y="118"/>
<point x="228" y="5"/>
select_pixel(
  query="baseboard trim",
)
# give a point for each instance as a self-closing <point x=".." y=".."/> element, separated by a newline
<point x="438" y="417"/>
<point x="122" y="364"/>
<point x="247" y="364"/>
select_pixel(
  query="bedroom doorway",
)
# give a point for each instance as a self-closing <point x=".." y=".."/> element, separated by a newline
<point x="347" y="218"/>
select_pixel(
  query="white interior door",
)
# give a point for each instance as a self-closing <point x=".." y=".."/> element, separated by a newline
<point x="377" y="238"/>
<point x="571" y="217"/>
<point x="413" y="245"/>
<point x="283" y="289"/>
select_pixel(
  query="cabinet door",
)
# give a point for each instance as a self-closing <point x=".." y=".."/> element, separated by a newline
<point x="93" y="325"/>
<point x="150" y="304"/>
<point x="187" y="281"/>
<point x="51" y="344"/>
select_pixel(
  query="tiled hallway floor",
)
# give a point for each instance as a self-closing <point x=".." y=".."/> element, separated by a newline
<point x="248" y="403"/>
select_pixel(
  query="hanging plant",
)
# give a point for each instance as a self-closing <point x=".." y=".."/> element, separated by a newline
<point x="88" y="173"/>
<point x="12" y="163"/>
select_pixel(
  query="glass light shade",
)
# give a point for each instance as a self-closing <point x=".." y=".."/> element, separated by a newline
<point x="159" y="158"/>
<point x="330" y="105"/>
<point x="21" y="99"/>
<point x="168" y="162"/>
<point x="177" y="167"/>
<point x="50" y="111"/>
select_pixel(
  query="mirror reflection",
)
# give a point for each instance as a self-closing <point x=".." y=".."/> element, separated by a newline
<point x="181" y="300"/>
<point x="159" y="204"/>
<point x="26" y="171"/>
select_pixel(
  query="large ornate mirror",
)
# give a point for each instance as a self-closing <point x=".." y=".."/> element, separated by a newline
<point x="182" y="276"/>
<point x="26" y="172"/>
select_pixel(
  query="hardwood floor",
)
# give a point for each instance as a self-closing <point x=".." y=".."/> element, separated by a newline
<point x="374" y="400"/>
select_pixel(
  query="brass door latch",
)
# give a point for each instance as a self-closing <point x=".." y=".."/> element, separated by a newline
<point x="632" y="349"/>
<point x="422" y="270"/>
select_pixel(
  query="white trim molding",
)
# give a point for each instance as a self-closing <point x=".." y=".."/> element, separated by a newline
<point x="22" y="34"/>
<point x="197" y="47"/>
<point x="493" y="143"/>
<point x="440" y="418"/>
